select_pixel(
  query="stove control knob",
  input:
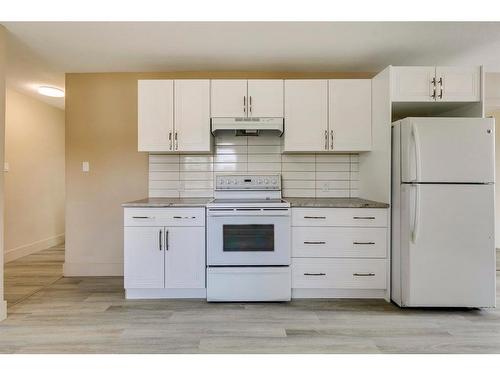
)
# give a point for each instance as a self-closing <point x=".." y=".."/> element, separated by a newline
<point x="275" y="182"/>
<point x="228" y="182"/>
<point x="266" y="181"/>
<point x="260" y="181"/>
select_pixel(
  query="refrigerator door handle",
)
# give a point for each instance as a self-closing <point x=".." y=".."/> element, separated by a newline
<point x="416" y="142"/>
<point x="416" y="214"/>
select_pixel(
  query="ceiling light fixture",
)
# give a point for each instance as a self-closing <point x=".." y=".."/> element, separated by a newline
<point x="51" y="91"/>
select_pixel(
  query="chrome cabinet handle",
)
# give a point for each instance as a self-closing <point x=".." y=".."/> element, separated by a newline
<point x="314" y="274"/>
<point x="364" y="217"/>
<point x="160" y="239"/>
<point x="244" y="104"/>
<point x="433" y="96"/>
<point x="314" y="242"/>
<point x="326" y="139"/>
<point x="363" y="243"/>
<point x="142" y="217"/>
<point x="441" y="87"/>
<point x="176" y="141"/>
<point x="166" y="240"/>
<point x="170" y="139"/>
<point x="184" y="217"/>
<point x="250" y="104"/>
<point x="314" y="217"/>
<point x="331" y="139"/>
<point x="363" y="274"/>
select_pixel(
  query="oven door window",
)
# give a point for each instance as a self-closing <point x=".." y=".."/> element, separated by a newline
<point x="248" y="237"/>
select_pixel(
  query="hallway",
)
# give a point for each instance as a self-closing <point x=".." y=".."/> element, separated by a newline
<point x="27" y="275"/>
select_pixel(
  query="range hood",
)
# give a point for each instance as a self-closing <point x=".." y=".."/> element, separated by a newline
<point x="247" y="125"/>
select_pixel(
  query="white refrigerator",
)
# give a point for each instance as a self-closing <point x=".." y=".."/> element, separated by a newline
<point x="443" y="204"/>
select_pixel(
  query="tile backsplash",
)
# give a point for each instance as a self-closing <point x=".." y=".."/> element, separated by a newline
<point x="311" y="175"/>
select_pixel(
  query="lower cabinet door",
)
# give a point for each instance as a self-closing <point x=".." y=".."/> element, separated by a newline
<point x="144" y="257"/>
<point x="185" y="257"/>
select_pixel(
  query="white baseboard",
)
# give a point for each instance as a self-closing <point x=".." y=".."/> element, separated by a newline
<point x="338" y="293"/>
<point x="198" y="293"/>
<point x="3" y="310"/>
<point x="92" y="269"/>
<point x="21" y="251"/>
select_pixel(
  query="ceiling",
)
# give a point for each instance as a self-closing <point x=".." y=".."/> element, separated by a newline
<point x="41" y="52"/>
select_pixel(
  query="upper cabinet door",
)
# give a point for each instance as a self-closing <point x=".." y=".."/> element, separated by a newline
<point x="155" y="115"/>
<point x="458" y="84"/>
<point x="192" y="115"/>
<point x="413" y="83"/>
<point x="306" y="115"/>
<point x="265" y="98"/>
<point x="229" y="98"/>
<point x="350" y="114"/>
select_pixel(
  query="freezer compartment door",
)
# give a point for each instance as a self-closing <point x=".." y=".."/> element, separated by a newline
<point x="447" y="245"/>
<point x="457" y="150"/>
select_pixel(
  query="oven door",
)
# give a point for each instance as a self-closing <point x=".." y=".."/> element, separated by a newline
<point x="248" y="239"/>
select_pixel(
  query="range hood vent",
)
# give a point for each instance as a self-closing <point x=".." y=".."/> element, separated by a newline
<point x="247" y="125"/>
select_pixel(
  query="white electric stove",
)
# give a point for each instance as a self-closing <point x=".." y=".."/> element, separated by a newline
<point x="248" y="240"/>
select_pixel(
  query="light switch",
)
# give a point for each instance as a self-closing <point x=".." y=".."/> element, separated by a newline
<point x="6" y="167"/>
<point x="85" y="166"/>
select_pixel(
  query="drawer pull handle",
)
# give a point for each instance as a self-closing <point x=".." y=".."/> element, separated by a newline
<point x="364" y="217"/>
<point x="314" y="217"/>
<point x="314" y="242"/>
<point x="142" y="217"/>
<point x="363" y="274"/>
<point x="184" y="217"/>
<point x="314" y="274"/>
<point x="363" y="243"/>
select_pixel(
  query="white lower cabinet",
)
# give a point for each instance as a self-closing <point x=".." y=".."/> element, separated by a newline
<point x="340" y="253"/>
<point x="163" y="261"/>
<point x="339" y="273"/>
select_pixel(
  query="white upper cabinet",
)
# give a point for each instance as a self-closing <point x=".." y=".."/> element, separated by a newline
<point x="229" y="98"/>
<point x="350" y="114"/>
<point x="306" y="115"/>
<point x="413" y="83"/>
<point x="192" y="116"/>
<point x="436" y="84"/>
<point x="265" y="98"/>
<point x="155" y="114"/>
<point x="159" y="130"/>
<point x="247" y="98"/>
<point x="458" y="84"/>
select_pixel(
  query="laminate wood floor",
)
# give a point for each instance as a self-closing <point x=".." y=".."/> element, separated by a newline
<point x="27" y="275"/>
<point x="90" y="315"/>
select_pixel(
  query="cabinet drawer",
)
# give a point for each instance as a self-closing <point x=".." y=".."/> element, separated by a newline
<point x="339" y="242"/>
<point x="339" y="273"/>
<point x="347" y="217"/>
<point x="172" y="217"/>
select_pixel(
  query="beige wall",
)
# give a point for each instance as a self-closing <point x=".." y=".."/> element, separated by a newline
<point x="101" y="127"/>
<point x="3" y="60"/>
<point x="34" y="184"/>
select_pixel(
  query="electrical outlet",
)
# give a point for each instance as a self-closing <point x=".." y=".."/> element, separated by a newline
<point x="85" y="166"/>
<point x="6" y="166"/>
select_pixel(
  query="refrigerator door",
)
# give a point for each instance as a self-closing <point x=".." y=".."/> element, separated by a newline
<point x="456" y="150"/>
<point x="447" y="245"/>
